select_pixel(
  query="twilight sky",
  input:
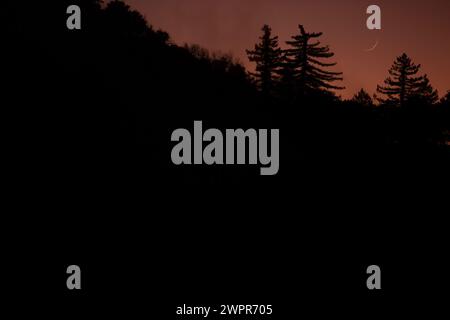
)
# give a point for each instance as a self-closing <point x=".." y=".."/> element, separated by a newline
<point x="419" y="28"/>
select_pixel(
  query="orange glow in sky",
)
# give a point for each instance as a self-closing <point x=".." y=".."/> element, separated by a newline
<point x="419" y="28"/>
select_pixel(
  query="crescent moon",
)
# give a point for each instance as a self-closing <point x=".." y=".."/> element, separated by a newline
<point x="373" y="48"/>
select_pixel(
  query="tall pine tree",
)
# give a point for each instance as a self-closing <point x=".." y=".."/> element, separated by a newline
<point x="403" y="85"/>
<point x="268" y="58"/>
<point x="304" y="59"/>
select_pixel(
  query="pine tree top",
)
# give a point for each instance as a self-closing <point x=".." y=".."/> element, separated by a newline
<point x="403" y="84"/>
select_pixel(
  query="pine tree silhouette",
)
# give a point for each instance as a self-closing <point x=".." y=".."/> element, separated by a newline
<point x="445" y="101"/>
<point x="287" y="84"/>
<point x="304" y="61"/>
<point x="403" y="84"/>
<point x="445" y="116"/>
<point x="363" y="98"/>
<point x="268" y="57"/>
<point x="425" y="93"/>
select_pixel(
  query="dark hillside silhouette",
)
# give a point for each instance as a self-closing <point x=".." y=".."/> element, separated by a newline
<point x="88" y="117"/>
<point x="114" y="91"/>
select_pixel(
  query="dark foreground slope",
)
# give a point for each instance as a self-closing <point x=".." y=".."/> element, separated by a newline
<point x="88" y="118"/>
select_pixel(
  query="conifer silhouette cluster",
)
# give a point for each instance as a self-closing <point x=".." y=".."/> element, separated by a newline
<point x="125" y="83"/>
<point x="299" y="70"/>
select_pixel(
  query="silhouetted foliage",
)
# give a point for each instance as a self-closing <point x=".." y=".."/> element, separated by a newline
<point x="403" y="85"/>
<point x="363" y="98"/>
<point x="304" y="62"/>
<point x="444" y="116"/>
<point x="268" y="57"/>
<point x="115" y="90"/>
<point x="445" y="100"/>
<point x="89" y="116"/>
